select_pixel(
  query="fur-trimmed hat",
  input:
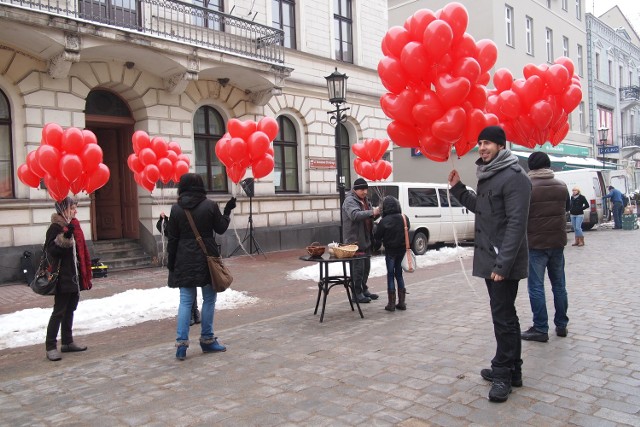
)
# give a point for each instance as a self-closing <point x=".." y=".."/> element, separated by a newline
<point x="360" y="184"/>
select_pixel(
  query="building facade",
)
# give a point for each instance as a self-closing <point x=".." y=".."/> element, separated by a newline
<point x="181" y="71"/>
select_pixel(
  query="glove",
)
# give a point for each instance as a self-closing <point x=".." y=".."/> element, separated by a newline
<point x="231" y="205"/>
<point x="69" y="233"/>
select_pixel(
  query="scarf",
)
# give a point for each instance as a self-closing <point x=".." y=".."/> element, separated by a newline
<point x="84" y="259"/>
<point x="503" y="160"/>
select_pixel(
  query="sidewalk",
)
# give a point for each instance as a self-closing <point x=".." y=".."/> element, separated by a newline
<point x="414" y="368"/>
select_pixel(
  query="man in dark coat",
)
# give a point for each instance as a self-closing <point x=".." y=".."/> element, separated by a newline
<point x="547" y="237"/>
<point x="358" y="227"/>
<point x="187" y="263"/>
<point x="501" y="209"/>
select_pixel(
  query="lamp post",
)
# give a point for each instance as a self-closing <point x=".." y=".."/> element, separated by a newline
<point x="337" y="88"/>
<point x="603" y="134"/>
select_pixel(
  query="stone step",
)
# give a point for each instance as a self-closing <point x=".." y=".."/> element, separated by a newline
<point x="122" y="254"/>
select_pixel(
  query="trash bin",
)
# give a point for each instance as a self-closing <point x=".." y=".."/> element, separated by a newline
<point x="629" y="222"/>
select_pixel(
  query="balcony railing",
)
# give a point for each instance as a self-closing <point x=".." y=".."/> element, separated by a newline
<point x="172" y="20"/>
<point x="632" y="140"/>
<point x="630" y="93"/>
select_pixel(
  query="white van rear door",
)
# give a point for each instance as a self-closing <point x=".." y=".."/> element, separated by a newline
<point x="423" y="211"/>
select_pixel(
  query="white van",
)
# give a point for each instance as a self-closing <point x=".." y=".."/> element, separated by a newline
<point x="426" y="205"/>
<point x="592" y="186"/>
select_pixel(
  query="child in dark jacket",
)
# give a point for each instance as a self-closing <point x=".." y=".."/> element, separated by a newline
<point x="390" y="232"/>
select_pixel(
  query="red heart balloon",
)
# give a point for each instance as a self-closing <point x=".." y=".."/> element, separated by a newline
<point x="465" y="47"/>
<point x="58" y="187"/>
<point x="450" y="127"/>
<point x="73" y="141"/>
<point x="382" y="170"/>
<point x="434" y="149"/>
<point x="269" y="126"/>
<point x="486" y="54"/>
<point x="502" y="79"/>
<point x="79" y="184"/>
<point x="49" y="158"/>
<point x="134" y="163"/>
<point x="392" y="75"/>
<point x="241" y="129"/>
<point x="71" y="167"/>
<point x="509" y="104"/>
<point x="437" y="39"/>
<point x="89" y="138"/>
<point x="175" y="147"/>
<point x="529" y="91"/>
<point x="52" y="135"/>
<point x="451" y="90"/>
<point x="34" y="165"/>
<point x="428" y="109"/>
<point x="571" y="98"/>
<point x="557" y="78"/>
<point x="478" y="96"/>
<point x="166" y="169"/>
<point x="238" y="150"/>
<point x="91" y="157"/>
<point x="236" y="172"/>
<point x="566" y="63"/>
<point x="180" y="168"/>
<point x="403" y="135"/>
<point x="262" y="167"/>
<point x="534" y="70"/>
<point x="160" y="147"/>
<point x="418" y="23"/>
<point x="257" y="143"/>
<point x="457" y="17"/>
<point x="98" y="178"/>
<point x="27" y="176"/>
<point x="140" y="140"/>
<point x="398" y="107"/>
<point x="395" y="39"/>
<point x="541" y="114"/>
<point x="222" y="151"/>
<point x="147" y="157"/>
<point x="415" y="60"/>
<point x="467" y="68"/>
<point x="360" y="150"/>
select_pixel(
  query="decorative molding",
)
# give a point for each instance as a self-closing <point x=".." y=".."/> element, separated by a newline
<point x="177" y="83"/>
<point x="60" y="64"/>
<point x="263" y="97"/>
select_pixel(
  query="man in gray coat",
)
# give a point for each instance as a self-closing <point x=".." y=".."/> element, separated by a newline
<point x="358" y="227"/>
<point x="547" y="237"/>
<point x="501" y="209"/>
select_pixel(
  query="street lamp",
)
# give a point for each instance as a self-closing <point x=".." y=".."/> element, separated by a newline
<point x="603" y="133"/>
<point x="337" y="87"/>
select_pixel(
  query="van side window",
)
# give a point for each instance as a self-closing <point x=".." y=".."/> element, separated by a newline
<point x="423" y="197"/>
<point x="377" y="193"/>
<point x="444" y="202"/>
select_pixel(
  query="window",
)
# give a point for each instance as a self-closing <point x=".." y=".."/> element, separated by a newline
<point x="6" y="161"/>
<point x="208" y="128"/>
<point x="445" y="202"/>
<point x="580" y="66"/>
<point x="549" y="44"/>
<point x="597" y="66"/>
<point x="508" y="21"/>
<point x="581" y="116"/>
<point x="423" y="198"/>
<point x="565" y="46"/>
<point x="610" y="71"/>
<point x="210" y="20"/>
<point x="579" y="10"/>
<point x="345" y="156"/>
<point x="343" y="23"/>
<point x="565" y="5"/>
<point x="284" y="18"/>
<point x="285" y="151"/>
<point x="529" y="34"/>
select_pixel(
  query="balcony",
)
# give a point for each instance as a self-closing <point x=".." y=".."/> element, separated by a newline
<point x="630" y="145"/>
<point x="171" y="20"/>
<point x="629" y="97"/>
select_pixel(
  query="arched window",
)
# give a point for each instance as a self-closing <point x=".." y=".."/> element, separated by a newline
<point x="345" y="158"/>
<point x="208" y="128"/>
<point x="285" y="150"/>
<point x="6" y="150"/>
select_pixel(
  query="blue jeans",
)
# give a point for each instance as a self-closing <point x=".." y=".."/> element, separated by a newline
<point x="617" y="215"/>
<point x="187" y="296"/>
<point x="394" y="271"/>
<point x="576" y="223"/>
<point x="553" y="261"/>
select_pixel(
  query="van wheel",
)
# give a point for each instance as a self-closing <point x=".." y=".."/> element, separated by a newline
<point x="419" y="244"/>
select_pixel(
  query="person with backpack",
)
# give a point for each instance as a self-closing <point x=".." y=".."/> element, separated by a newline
<point x="390" y="232"/>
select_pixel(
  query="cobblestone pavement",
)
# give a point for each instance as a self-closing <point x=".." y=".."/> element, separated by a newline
<point x="414" y="368"/>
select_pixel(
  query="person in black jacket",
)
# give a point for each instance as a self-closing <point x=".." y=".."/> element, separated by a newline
<point x="187" y="263"/>
<point x="162" y="225"/>
<point x="63" y="239"/>
<point x="578" y="205"/>
<point x="390" y="232"/>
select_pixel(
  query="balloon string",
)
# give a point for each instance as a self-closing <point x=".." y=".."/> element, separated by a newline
<point x="238" y="192"/>
<point x="455" y="236"/>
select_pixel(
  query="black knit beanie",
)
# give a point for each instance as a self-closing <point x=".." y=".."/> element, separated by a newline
<point x="493" y="134"/>
<point x="360" y="184"/>
<point x="539" y="160"/>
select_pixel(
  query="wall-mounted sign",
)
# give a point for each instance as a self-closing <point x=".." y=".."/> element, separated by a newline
<point x="322" y="163"/>
<point x="608" y="149"/>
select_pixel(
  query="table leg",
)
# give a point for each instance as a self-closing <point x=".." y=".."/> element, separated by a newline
<point x="324" y="275"/>
<point x="318" y="299"/>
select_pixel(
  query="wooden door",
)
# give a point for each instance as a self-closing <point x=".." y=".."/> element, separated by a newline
<point x="107" y="199"/>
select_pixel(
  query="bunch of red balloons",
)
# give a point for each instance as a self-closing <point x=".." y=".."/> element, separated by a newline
<point x="156" y="159"/>
<point x="535" y="109"/>
<point x="247" y="144"/>
<point x="436" y="75"/>
<point x="67" y="159"/>
<point x="368" y="162"/>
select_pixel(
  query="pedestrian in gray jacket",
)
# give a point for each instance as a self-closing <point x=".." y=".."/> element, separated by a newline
<point x="501" y="257"/>
<point x="358" y="227"/>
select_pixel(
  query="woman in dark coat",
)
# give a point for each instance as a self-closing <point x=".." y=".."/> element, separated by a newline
<point x="65" y="246"/>
<point x="390" y="232"/>
<point x="578" y="205"/>
<point x="187" y="263"/>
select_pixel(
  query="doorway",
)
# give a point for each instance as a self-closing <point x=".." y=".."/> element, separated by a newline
<point x="114" y="207"/>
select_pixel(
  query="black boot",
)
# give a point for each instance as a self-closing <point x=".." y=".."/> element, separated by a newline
<point x="401" y="295"/>
<point x="501" y="385"/>
<point x="391" y="306"/>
